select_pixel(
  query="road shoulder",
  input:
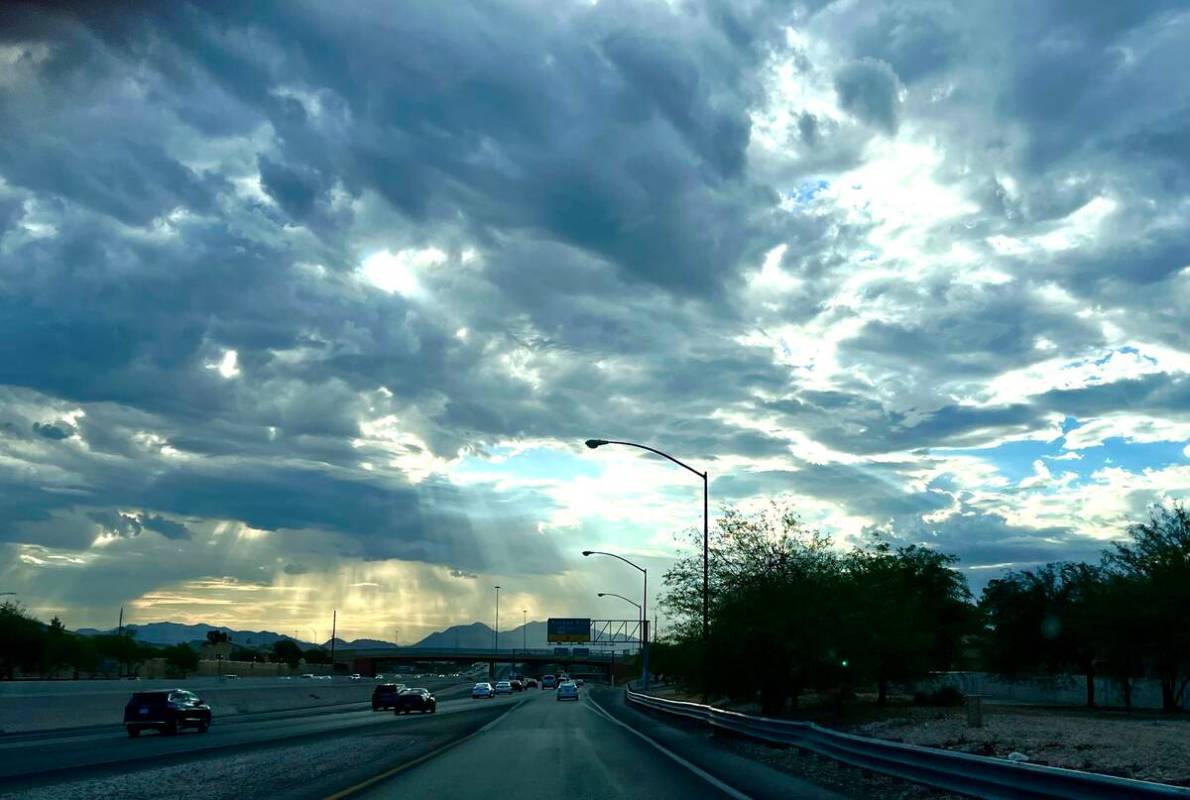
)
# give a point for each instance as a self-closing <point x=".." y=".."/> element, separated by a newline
<point x="698" y="747"/>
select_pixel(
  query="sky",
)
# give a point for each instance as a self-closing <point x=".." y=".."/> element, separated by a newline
<point x="310" y="306"/>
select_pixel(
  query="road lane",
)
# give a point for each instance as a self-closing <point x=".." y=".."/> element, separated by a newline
<point x="78" y="752"/>
<point x="550" y="749"/>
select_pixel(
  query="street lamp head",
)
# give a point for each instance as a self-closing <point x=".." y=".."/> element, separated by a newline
<point x="593" y="443"/>
<point x="588" y="552"/>
<point x="603" y="594"/>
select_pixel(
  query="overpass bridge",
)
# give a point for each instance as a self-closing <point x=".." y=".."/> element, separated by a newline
<point x="373" y="661"/>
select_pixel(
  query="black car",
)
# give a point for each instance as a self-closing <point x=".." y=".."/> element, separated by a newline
<point x="385" y="695"/>
<point x="517" y="686"/>
<point x="415" y="700"/>
<point x="167" y="711"/>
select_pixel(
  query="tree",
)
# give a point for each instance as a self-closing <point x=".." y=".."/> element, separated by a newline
<point x="125" y="650"/>
<point x="316" y="655"/>
<point x="911" y="610"/>
<point x="1154" y="571"/>
<point x="1045" y="620"/>
<point x="218" y="637"/>
<point x="287" y="651"/>
<point x="181" y="658"/>
<point x="57" y="647"/>
<point x="769" y="577"/>
<point x="22" y="640"/>
<point x="791" y="613"/>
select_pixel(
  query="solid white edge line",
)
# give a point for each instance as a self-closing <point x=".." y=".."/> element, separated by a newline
<point x="702" y="773"/>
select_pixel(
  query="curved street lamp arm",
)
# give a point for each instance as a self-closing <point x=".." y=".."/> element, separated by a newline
<point x="622" y="597"/>
<point x="681" y="464"/>
<point x="613" y="555"/>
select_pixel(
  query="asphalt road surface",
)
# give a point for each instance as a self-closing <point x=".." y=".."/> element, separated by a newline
<point x="578" y="751"/>
<point x="77" y="751"/>
<point x="524" y="746"/>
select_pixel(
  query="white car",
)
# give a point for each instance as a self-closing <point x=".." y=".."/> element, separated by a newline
<point x="567" y="690"/>
<point x="578" y="681"/>
<point x="355" y="676"/>
<point x="482" y="690"/>
<point x="503" y="687"/>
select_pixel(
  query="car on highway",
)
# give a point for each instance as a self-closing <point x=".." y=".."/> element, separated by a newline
<point x="385" y="695"/>
<point x="531" y="683"/>
<point x="229" y="677"/>
<point x="415" y="700"/>
<point x="482" y="690"/>
<point x="309" y="676"/>
<point x="578" y="681"/>
<point x="567" y="690"/>
<point x="167" y="710"/>
<point x="355" y="676"/>
<point x="503" y="687"/>
<point x="517" y="686"/>
<point x="548" y="682"/>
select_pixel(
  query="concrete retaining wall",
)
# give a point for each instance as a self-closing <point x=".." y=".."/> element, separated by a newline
<point x="1048" y="690"/>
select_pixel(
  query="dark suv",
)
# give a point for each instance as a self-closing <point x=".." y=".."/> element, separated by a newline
<point x="415" y="700"/>
<point x="167" y="711"/>
<point x="385" y="695"/>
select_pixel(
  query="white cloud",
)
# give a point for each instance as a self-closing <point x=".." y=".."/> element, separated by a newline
<point x="399" y="272"/>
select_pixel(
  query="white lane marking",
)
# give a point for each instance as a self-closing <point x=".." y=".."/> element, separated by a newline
<point x="702" y="773"/>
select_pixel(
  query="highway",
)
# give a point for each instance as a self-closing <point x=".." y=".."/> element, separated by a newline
<point x="578" y="750"/>
<point x="78" y="750"/>
<point x="524" y="745"/>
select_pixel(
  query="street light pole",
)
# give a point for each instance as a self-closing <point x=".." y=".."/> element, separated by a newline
<point x="496" y="636"/>
<point x="524" y="629"/>
<point x="593" y="443"/>
<point x="644" y="613"/>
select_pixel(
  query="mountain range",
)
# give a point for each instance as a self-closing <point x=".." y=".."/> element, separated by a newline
<point x="474" y="635"/>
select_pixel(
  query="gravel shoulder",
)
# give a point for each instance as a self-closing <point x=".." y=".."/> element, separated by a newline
<point x="1142" y="746"/>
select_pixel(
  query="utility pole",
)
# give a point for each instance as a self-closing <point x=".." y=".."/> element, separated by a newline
<point x="496" y="633"/>
<point x="120" y="633"/>
<point x="334" y="622"/>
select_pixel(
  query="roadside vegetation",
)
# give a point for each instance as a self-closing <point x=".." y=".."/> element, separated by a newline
<point x="792" y="615"/>
<point x="30" y="648"/>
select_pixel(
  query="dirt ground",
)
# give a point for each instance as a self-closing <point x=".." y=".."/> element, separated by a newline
<point x="1140" y="745"/>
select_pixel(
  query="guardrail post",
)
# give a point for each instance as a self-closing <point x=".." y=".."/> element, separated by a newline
<point x="974" y="704"/>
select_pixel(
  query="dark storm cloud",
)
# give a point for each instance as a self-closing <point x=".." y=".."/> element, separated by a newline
<point x="987" y="546"/>
<point x="873" y="491"/>
<point x="116" y="523"/>
<point x="51" y="431"/>
<point x="868" y="88"/>
<point x="190" y="180"/>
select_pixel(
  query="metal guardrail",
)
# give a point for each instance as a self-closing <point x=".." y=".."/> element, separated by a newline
<point x="979" y="776"/>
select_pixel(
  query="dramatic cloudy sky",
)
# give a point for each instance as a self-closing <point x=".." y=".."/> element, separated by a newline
<point x="311" y="305"/>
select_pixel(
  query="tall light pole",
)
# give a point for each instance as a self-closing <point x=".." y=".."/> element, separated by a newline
<point x="525" y="630"/>
<point x="593" y="443"/>
<point x="496" y="633"/>
<point x="643" y="609"/>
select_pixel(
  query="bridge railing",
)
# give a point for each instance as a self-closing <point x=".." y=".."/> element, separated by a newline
<point x="979" y="776"/>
